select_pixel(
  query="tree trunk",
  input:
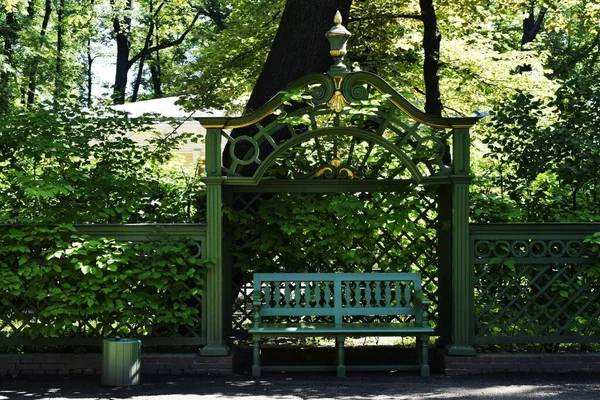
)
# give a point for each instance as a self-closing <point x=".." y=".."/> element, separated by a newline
<point x="59" y="79"/>
<point x="155" y="74"/>
<point x="32" y="87"/>
<point x="531" y="27"/>
<point x="299" y="47"/>
<point x="9" y="38"/>
<point x="431" y="62"/>
<point x="431" y="66"/>
<point x="122" y="64"/>
<point x="90" y="61"/>
<point x="138" y="80"/>
<point x="532" y="24"/>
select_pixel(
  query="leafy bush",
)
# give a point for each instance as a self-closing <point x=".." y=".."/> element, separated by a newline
<point x="54" y="283"/>
<point x="67" y="164"/>
<point x="544" y="155"/>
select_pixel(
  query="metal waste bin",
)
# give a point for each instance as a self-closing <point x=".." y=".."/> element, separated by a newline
<point x="121" y="361"/>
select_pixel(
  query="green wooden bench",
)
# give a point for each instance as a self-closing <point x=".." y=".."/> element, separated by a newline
<point x="333" y="299"/>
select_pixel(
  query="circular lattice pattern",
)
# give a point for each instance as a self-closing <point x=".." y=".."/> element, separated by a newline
<point x="246" y="148"/>
<point x="502" y="248"/>
<point x="483" y="249"/>
<point x="196" y="250"/>
<point x="538" y="248"/>
<point x="519" y="248"/>
<point x="574" y="248"/>
<point x="556" y="248"/>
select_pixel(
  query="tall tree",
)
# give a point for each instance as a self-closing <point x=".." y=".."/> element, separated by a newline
<point x="431" y="62"/>
<point x="122" y="26"/>
<point x="299" y="46"/>
<point x="30" y="92"/>
<point x="532" y="24"/>
<point x="10" y="34"/>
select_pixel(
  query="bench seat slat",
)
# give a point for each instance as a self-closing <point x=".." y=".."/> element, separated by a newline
<point x="374" y="329"/>
<point x="346" y="311"/>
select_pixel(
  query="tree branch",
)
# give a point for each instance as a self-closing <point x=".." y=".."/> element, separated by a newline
<point x="387" y="16"/>
<point x="165" y="45"/>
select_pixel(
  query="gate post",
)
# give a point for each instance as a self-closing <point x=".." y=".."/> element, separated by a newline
<point x="462" y="280"/>
<point x="213" y="295"/>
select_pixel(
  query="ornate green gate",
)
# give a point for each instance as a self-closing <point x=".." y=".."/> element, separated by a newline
<point x="337" y="138"/>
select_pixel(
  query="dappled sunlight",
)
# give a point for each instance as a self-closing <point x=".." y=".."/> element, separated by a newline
<point x="378" y="386"/>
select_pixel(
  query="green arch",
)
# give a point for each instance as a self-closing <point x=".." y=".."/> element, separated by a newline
<point x="348" y="81"/>
<point x="341" y="131"/>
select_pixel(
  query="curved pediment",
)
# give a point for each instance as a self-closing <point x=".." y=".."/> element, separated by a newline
<point x="325" y="88"/>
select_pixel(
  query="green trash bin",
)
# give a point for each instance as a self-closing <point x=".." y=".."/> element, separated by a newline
<point x="121" y="361"/>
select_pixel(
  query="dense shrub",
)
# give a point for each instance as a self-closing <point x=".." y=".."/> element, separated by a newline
<point x="57" y="283"/>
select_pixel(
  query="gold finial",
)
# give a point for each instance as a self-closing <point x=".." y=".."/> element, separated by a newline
<point x="337" y="19"/>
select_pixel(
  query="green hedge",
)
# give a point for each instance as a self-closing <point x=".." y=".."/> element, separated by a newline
<point x="55" y="283"/>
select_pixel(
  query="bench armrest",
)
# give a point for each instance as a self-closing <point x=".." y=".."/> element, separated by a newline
<point x="423" y="304"/>
<point x="256" y="307"/>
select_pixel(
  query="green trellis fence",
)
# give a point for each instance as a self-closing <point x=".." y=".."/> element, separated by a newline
<point x="20" y="315"/>
<point x="535" y="283"/>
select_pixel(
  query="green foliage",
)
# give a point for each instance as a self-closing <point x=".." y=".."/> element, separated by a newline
<point x="56" y="283"/>
<point x="73" y="165"/>
<point x="544" y="155"/>
<point x="225" y="67"/>
<point x="349" y="232"/>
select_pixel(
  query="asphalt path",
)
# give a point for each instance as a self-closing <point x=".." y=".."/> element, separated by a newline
<point x="310" y="386"/>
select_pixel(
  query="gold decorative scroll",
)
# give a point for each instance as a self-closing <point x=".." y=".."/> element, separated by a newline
<point x="337" y="102"/>
<point x="335" y="170"/>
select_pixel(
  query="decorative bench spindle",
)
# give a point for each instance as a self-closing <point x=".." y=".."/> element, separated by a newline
<point x="338" y="297"/>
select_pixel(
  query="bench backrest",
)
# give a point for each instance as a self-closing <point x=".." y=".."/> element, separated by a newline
<point x="337" y="294"/>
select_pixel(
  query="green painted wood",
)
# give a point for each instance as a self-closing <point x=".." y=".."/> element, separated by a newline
<point x="213" y="304"/>
<point x="526" y="304"/>
<point x="212" y="311"/>
<point x="415" y="172"/>
<point x="339" y="295"/>
<point x="213" y="296"/>
<point x="350" y="82"/>
<point x="426" y="169"/>
<point x="350" y="329"/>
<point x="462" y="279"/>
<point x="331" y="368"/>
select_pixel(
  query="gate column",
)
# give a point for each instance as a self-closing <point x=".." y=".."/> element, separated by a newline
<point x="213" y="294"/>
<point x="462" y="280"/>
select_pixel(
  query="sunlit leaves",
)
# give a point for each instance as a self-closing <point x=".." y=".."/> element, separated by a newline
<point x="127" y="288"/>
<point x="69" y="164"/>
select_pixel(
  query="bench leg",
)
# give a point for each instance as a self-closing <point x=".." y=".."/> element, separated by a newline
<point x="256" y="339"/>
<point x="339" y="344"/>
<point x="423" y="354"/>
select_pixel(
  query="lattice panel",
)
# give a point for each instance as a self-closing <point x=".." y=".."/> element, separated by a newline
<point x="387" y="232"/>
<point x="22" y="315"/>
<point x="366" y="131"/>
<point x="535" y="291"/>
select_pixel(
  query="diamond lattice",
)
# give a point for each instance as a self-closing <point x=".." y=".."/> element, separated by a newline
<point x="536" y="300"/>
